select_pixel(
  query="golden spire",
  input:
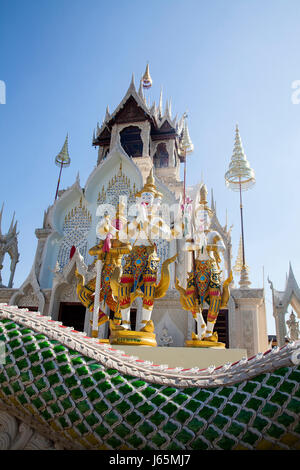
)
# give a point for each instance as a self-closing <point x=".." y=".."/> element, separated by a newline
<point x="239" y="259"/>
<point x="146" y="79"/>
<point x="149" y="187"/>
<point x="186" y="144"/>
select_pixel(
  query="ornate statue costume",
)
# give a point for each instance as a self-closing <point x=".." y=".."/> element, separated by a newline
<point x="204" y="283"/>
<point x="139" y="276"/>
<point x="110" y="251"/>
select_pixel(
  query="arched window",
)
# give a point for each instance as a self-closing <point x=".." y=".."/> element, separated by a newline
<point x="131" y="141"/>
<point x="161" y="156"/>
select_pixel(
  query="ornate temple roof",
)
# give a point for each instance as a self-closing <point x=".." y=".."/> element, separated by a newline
<point x="134" y="107"/>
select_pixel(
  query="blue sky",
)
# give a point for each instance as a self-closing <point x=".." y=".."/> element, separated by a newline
<point x="226" y="62"/>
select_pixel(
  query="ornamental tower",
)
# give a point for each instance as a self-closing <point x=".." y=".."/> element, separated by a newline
<point x="148" y="135"/>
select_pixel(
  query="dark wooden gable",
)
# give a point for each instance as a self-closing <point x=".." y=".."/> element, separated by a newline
<point x="165" y="132"/>
<point x="130" y="112"/>
<point x="104" y="137"/>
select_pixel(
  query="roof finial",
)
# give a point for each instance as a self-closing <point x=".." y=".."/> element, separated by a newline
<point x="146" y="79"/>
<point x="12" y="223"/>
<point x="160" y="106"/>
<point x="107" y="114"/>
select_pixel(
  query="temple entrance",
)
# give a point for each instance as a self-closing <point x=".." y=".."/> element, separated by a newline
<point x="72" y="314"/>
<point x="221" y="326"/>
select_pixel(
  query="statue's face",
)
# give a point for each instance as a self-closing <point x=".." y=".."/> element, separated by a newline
<point x="147" y="199"/>
<point x="202" y="220"/>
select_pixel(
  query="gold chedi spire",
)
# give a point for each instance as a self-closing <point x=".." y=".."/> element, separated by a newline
<point x="237" y="268"/>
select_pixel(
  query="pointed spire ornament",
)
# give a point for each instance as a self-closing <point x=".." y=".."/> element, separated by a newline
<point x="11" y="228"/>
<point x="62" y="160"/>
<point x="107" y="114"/>
<point x="240" y="177"/>
<point x="237" y="268"/>
<point x="146" y="79"/>
<point x="140" y="92"/>
<point x="160" y="105"/>
<point x="185" y="147"/>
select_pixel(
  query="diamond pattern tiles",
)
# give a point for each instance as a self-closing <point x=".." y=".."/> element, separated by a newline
<point x="89" y="406"/>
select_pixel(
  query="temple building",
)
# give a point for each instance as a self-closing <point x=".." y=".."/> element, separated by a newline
<point x="132" y="139"/>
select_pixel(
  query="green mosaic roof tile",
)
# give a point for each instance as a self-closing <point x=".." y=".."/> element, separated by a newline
<point x="158" y="439"/>
<point x="135" y="399"/>
<point x="244" y="416"/>
<point x="158" y="400"/>
<point x="184" y="436"/>
<point x="294" y="406"/>
<point x="220" y="421"/>
<point x="235" y="429"/>
<point x="123" y="407"/>
<point x="133" y="418"/>
<point x="285" y="419"/>
<point x="225" y="443"/>
<point x="104" y="407"/>
<point x="146" y="428"/>
<point x="260" y="423"/>
<point x="195" y="425"/>
<point x="269" y="410"/>
<point x="182" y="416"/>
<point x="211" y="434"/>
<point x="170" y="427"/>
<point x="250" y="437"/>
<point x="146" y="408"/>
<point x="135" y="441"/>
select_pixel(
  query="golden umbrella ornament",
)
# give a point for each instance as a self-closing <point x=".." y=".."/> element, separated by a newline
<point x="240" y="177"/>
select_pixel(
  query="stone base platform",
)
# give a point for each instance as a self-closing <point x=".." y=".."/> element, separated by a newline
<point x="184" y="357"/>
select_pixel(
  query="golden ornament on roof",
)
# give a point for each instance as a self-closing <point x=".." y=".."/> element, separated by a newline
<point x="146" y="79"/>
<point x="149" y="187"/>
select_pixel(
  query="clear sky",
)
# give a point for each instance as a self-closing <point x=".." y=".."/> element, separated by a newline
<point x="225" y="61"/>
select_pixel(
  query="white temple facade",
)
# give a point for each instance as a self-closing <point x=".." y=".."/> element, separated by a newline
<point x="131" y="139"/>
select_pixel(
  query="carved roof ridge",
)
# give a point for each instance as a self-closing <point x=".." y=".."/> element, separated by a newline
<point x="139" y="100"/>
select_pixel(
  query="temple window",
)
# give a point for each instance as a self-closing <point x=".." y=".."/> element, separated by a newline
<point x="131" y="141"/>
<point x="161" y="156"/>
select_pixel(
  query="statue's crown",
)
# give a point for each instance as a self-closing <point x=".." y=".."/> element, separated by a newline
<point x="149" y="186"/>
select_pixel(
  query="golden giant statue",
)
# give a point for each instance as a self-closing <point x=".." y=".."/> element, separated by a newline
<point x="138" y="277"/>
<point x="110" y="251"/>
<point x="204" y="281"/>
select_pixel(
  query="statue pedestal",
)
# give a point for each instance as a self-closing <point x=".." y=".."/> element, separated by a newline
<point x="194" y="343"/>
<point x="121" y="336"/>
<point x="184" y="357"/>
<point x="132" y="338"/>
